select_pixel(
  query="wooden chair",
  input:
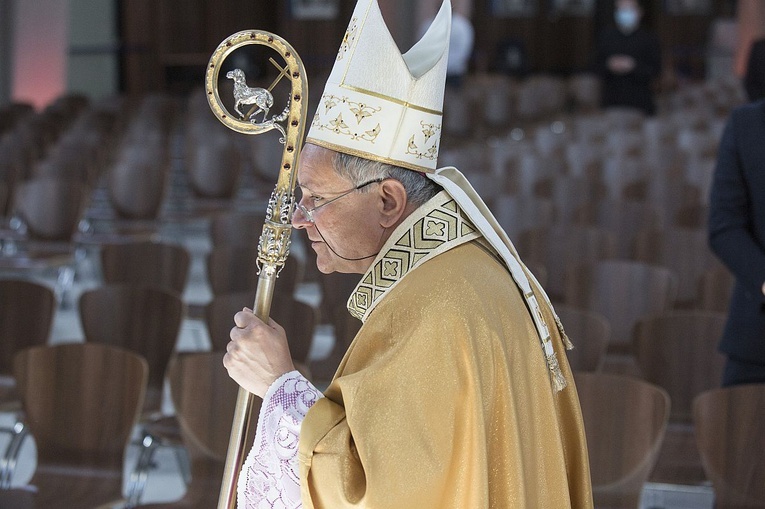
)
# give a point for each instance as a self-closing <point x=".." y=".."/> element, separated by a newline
<point x="519" y="213"/>
<point x="685" y="252"/>
<point x="137" y="186"/>
<point x="214" y="167"/>
<point x="26" y="315"/>
<point x="297" y="318"/>
<point x="146" y="263"/>
<point x="562" y="246"/>
<point x="81" y="403"/>
<point x="204" y="397"/>
<point x="589" y="332"/>
<point x="141" y="319"/>
<point x="678" y="352"/>
<point x="622" y="218"/>
<point x="345" y="327"/>
<point x="731" y="443"/>
<point x="232" y="269"/>
<point x="693" y="216"/>
<point x="236" y="228"/>
<point x="715" y="290"/>
<point x="147" y="321"/>
<point x="50" y="208"/>
<point x="622" y="292"/>
<point x="335" y="289"/>
<point x="624" y="420"/>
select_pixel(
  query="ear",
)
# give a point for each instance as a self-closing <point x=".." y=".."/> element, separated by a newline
<point x="393" y="202"/>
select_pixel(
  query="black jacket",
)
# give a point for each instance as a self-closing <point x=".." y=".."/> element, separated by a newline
<point x="737" y="228"/>
<point x="633" y="89"/>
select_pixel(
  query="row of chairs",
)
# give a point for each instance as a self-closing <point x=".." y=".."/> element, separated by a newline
<point x="82" y="416"/>
<point x="562" y="249"/>
<point x="626" y="421"/>
<point x="82" y="402"/>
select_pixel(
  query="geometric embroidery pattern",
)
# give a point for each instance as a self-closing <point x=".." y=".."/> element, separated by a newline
<point x="441" y="225"/>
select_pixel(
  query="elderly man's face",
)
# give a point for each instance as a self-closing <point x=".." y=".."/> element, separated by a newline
<point x="350" y="225"/>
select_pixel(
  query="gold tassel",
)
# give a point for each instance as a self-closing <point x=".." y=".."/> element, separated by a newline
<point x="566" y="341"/>
<point x="558" y="380"/>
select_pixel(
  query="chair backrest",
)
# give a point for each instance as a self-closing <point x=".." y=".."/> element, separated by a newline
<point x="204" y="397"/>
<point x="518" y="213"/>
<point x="81" y="402"/>
<point x="589" y="332"/>
<point x="678" y="351"/>
<point x="335" y="290"/>
<point x="26" y="316"/>
<point x="563" y="245"/>
<point x="715" y="289"/>
<point x="137" y="188"/>
<point x="728" y="424"/>
<point x="146" y="263"/>
<point x="685" y="252"/>
<point x="625" y="420"/>
<point x="621" y="291"/>
<point x="297" y="318"/>
<point x="51" y="208"/>
<point x="236" y="228"/>
<point x="622" y="218"/>
<point x="141" y="319"/>
<point x="233" y="268"/>
<point x="214" y="166"/>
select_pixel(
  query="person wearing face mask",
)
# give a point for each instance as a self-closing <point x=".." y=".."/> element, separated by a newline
<point x="628" y="59"/>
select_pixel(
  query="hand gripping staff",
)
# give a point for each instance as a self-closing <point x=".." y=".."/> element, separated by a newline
<point x="249" y="105"/>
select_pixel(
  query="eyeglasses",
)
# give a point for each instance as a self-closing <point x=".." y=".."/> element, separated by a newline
<point x="308" y="213"/>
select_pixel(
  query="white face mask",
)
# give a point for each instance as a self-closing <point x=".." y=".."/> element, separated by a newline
<point x="627" y="19"/>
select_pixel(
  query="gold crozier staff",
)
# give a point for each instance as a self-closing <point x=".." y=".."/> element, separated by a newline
<point x="275" y="240"/>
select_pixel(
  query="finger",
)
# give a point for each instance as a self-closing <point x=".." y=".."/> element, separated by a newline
<point x="244" y="318"/>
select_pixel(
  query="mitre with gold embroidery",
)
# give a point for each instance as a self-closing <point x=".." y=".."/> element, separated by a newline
<point x="379" y="104"/>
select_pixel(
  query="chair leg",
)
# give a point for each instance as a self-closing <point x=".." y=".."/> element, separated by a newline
<point x="140" y="474"/>
<point x="182" y="456"/>
<point x="64" y="285"/>
<point x="18" y="433"/>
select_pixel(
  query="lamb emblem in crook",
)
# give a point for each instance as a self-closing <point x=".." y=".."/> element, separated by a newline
<point x="243" y="94"/>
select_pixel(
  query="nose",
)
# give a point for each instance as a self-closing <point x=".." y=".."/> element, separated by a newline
<point x="299" y="220"/>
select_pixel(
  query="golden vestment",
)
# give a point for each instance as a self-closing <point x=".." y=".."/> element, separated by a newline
<point x="444" y="398"/>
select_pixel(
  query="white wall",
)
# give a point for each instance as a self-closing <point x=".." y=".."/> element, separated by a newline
<point x="40" y="44"/>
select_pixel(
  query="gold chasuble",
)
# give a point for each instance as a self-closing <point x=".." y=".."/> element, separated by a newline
<point x="444" y="399"/>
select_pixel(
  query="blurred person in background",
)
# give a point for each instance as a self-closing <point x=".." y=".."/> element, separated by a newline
<point x="628" y="60"/>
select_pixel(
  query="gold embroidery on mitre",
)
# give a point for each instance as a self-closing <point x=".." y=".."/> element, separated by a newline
<point x="425" y="149"/>
<point x="348" y="38"/>
<point x="358" y="110"/>
<point x="434" y="228"/>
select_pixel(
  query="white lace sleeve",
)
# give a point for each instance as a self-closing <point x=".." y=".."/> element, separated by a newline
<point x="269" y="478"/>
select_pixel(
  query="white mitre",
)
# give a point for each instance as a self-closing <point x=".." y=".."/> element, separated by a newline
<point x="379" y="104"/>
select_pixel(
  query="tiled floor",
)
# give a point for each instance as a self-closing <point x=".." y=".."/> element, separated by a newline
<point x="165" y="482"/>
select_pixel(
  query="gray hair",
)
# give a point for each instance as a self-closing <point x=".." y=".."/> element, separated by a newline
<point x="358" y="170"/>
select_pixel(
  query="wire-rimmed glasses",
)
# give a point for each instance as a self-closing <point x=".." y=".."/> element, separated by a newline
<point x="308" y="213"/>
